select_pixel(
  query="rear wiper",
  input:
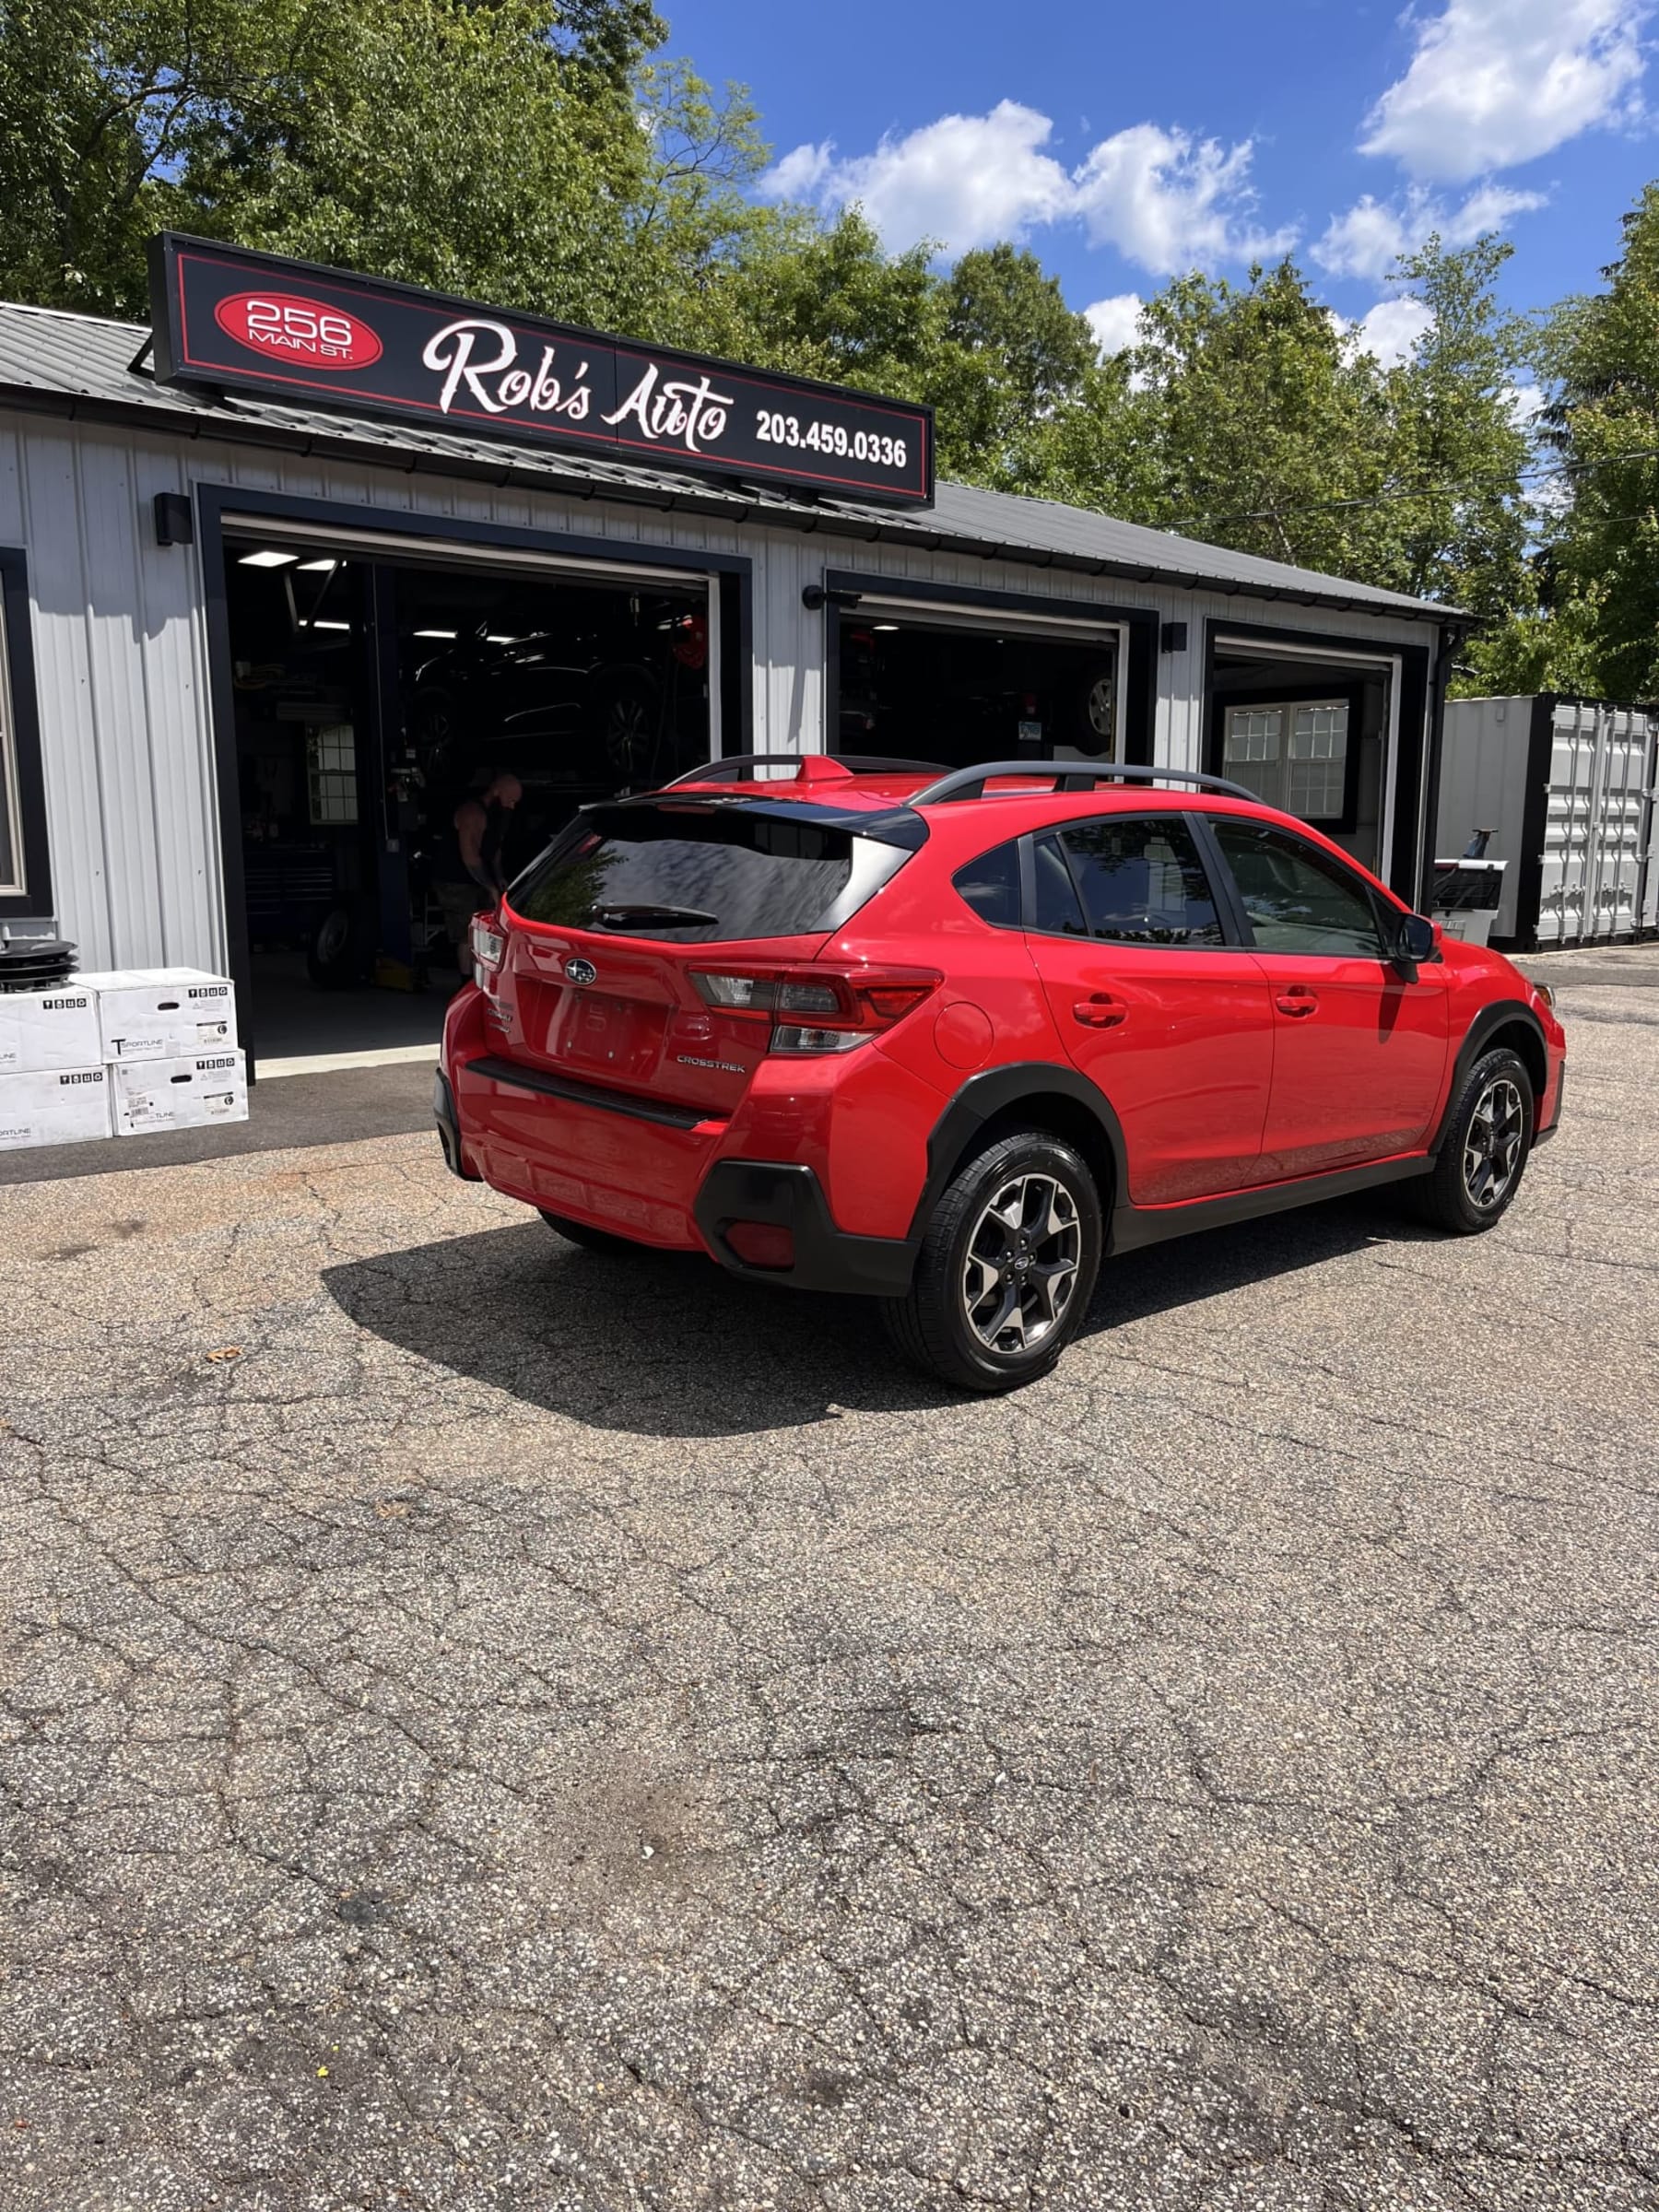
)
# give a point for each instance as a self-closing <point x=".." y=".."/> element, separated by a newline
<point x="665" y="917"/>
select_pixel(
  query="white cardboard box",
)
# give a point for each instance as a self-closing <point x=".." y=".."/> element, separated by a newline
<point x="163" y="1013"/>
<point x="54" y="1106"/>
<point x="49" y="1030"/>
<point x="184" y="1093"/>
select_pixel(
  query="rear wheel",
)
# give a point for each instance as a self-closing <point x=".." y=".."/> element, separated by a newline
<point x="1483" y="1153"/>
<point x="590" y="1240"/>
<point x="1006" y="1268"/>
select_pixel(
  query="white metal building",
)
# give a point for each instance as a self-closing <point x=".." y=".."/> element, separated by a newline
<point x="147" y="805"/>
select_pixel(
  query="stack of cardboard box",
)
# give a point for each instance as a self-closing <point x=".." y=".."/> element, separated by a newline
<point x="119" y="1053"/>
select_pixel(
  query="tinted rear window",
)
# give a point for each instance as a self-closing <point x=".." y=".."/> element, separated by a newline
<point x="698" y="876"/>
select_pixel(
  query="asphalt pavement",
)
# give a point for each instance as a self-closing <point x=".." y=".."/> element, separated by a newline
<point x="492" y="1728"/>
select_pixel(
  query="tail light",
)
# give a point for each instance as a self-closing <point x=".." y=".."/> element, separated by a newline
<point x="488" y="943"/>
<point x="817" y="1010"/>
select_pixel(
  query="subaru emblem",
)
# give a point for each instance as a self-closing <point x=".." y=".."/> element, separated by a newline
<point x="581" y="970"/>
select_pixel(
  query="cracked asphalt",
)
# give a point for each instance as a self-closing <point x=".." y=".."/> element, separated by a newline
<point x="490" y="1728"/>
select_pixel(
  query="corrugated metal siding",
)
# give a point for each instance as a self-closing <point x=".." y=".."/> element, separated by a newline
<point x="120" y="646"/>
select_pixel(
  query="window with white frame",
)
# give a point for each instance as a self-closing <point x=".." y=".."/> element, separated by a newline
<point x="331" y="772"/>
<point x="1291" y="756"/>
<point x="11" y="823"/>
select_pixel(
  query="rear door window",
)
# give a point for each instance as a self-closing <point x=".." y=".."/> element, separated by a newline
<point x="1142" y="881"/>
<point x="702" y="875"/>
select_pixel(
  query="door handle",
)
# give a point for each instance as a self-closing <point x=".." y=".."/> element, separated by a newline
<point x="1297" y="1000"/>
<point x="1100" y="1010"/>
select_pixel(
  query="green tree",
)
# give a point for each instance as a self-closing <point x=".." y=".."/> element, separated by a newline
<point x="493" y="146"/>
<point x="1269" y="429"/>
<point x="1599" y="574"/>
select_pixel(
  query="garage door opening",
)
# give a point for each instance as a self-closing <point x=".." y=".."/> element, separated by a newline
<point x="372" y="696"/>
<point x="1311" y="733"/>
<point x="958" y="686"/>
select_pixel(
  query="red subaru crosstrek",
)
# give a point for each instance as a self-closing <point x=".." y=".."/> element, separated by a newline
<point x="949" y="1040"/>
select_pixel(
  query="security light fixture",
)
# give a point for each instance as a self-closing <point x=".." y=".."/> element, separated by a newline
<point x="267" y="558"/>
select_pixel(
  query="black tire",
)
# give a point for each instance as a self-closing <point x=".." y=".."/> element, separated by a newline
<point x="936" y="1326"/>
<point x="332" y="955"/>
<point x="1093" y="711"/>
<point x="1483" y="1153"/>
<point x="590" y="1240"/>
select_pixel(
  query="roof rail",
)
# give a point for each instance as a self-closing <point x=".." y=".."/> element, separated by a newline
<point x="1065" y="776"/>
<point x="811" y="768"/>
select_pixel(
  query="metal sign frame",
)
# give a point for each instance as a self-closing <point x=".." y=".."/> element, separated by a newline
<point x="233" y="320"/>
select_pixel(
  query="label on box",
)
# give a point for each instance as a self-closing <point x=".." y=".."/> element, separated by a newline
<point x="63" y="1106"/>
<point x="42" y="1029"/>
<point x="182" y="1093"/>
<point x="163" y="1013"/>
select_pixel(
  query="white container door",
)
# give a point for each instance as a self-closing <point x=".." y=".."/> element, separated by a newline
<point x="1564" y="882"/>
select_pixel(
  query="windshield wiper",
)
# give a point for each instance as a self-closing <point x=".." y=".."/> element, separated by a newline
<point x="666" y="917"/>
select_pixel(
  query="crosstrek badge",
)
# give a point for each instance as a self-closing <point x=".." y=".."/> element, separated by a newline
<point x="288" y="327"/>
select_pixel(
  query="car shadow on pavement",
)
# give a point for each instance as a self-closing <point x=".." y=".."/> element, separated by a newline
<point x="667" y="1344"/>
<point x="653" y="1344"/>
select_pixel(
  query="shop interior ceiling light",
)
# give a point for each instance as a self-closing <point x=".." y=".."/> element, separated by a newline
<point x="320" y="568"/>
<point x="267" y="558"/>
<point x="448" y="635"/>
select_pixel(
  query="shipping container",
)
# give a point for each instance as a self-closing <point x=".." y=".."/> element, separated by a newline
<point x="1567" y="788"/>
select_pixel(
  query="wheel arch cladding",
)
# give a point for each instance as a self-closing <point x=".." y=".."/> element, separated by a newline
<point x="1523" y="1038"/>
<point x="1034" y="1096"/>
<point x="1509" y="1025"/>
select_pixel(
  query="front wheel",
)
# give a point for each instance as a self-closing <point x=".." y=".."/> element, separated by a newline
<point x="1483" y="1153"/>
<point x="1006" y="1268"/>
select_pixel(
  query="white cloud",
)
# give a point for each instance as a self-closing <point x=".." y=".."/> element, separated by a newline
<point x="1163" y="198"/>
<point x="1373" y="234"/>
<point x="799" y="175"/>
<point x="1392" y="329"/>
<point x="1168" y="201"/>
<point x="1114" y="321"/>
<point x="965" y="179"/>
<point x="1493" y="83"/>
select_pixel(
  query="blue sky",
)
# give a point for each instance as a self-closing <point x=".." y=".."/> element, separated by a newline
<point x="1126" y="144"/>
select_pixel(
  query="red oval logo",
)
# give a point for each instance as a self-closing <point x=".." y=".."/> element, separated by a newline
<point x="285" y="327"/>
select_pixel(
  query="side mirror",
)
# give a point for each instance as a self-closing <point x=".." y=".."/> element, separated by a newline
<point x="1416" y="940"/>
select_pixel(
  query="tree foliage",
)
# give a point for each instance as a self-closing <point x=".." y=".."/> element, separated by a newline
<point x="1598" y="630"/>
<point x="541" y="155"/>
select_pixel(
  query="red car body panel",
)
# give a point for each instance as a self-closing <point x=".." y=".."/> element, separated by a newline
<point x="612" y="1102"/>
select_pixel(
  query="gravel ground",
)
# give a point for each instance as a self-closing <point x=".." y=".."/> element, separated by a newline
<point x="487" y="1727"/>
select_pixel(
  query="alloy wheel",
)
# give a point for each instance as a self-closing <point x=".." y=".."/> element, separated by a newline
<point x="1021" y="1265"/>
<point x="1102" y="709"/>
<point x="628" y="732"/>
<point x="1492" y="1143"/>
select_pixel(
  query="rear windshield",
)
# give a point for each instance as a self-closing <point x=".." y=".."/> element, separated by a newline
<point x="697" y="876"/>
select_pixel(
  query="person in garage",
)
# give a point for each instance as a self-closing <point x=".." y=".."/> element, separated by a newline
<point x="471" y="873"/>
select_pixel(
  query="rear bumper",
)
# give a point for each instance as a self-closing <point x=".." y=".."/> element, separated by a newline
<point x="790" y="1198"/>
<point x="449" y="1132"/>
<point x="655" y="1174"/>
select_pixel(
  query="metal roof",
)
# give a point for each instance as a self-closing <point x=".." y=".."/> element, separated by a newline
<point x="82" y="367"/>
